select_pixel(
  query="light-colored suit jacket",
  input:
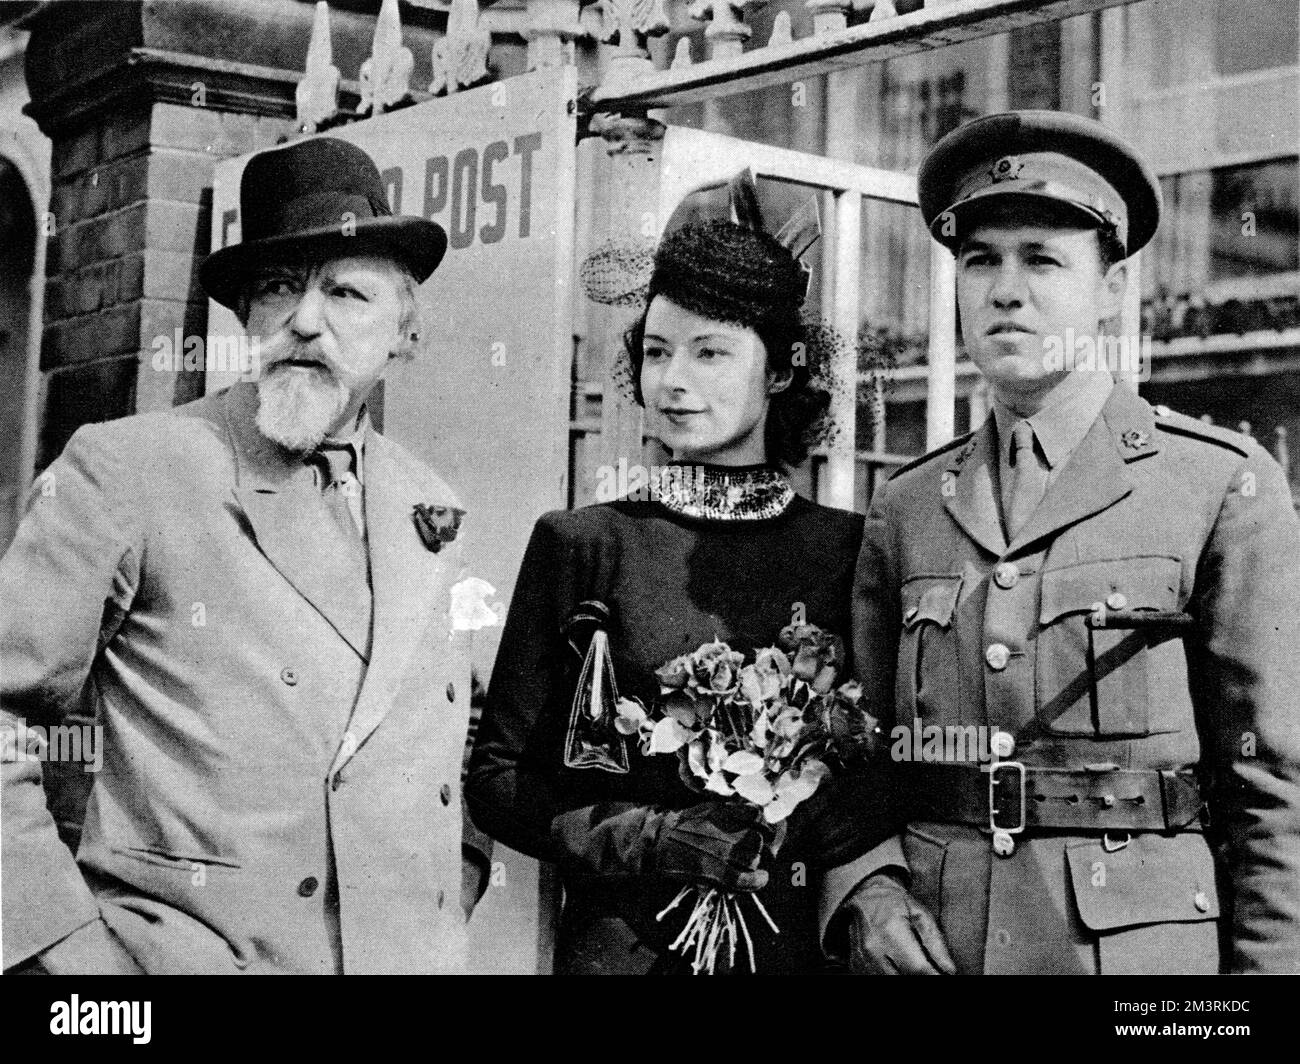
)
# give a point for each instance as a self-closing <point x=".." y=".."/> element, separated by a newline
<point x="269" y="799"/>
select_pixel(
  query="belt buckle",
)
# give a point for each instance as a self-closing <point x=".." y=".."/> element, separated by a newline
<point x="1003" y="843"/>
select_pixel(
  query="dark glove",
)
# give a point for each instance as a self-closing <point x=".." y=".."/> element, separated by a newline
<point x="891" y="933"/>
<point x="715" y="843"/>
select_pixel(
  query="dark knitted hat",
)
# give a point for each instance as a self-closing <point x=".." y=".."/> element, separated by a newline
<point x="728" y="272"/>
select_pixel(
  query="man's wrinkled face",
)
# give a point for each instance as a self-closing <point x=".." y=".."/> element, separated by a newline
<point x="327" y="331"/>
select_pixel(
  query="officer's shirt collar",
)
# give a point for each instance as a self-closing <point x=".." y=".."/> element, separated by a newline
<point x="1064" y="420"/>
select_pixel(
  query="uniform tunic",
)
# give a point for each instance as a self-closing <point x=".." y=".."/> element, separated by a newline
<point x="956" y="627"/>
<point x="672" y="582"/>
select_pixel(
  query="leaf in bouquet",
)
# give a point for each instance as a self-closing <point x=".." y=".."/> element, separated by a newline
<point x="629" y="715"/>
<point x="686" y="771"/>
<point x="758" y="733"/>
<point x="682" y="707"/>
<point x="755" y="789"/>
<point x="697" y="756"/>
<point x="743" y="763"/>
<point x="849" y="692"/>
<point x="717" y="783"/>
<point x="669" y="736"/>
<point x="779" y="808"/>
<point x="800" y="784"/>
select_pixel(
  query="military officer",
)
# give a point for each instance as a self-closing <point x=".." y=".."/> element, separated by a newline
<point x="1105" y="595"/>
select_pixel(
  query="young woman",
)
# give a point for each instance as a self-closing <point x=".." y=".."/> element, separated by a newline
<point x="723" y="549"/>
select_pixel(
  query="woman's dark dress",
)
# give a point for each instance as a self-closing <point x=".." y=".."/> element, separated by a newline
<point x="671" y="582"/>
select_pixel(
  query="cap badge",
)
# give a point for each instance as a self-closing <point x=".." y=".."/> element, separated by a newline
<point x="1135" y="439"/>
<point x="1006" y="169"/>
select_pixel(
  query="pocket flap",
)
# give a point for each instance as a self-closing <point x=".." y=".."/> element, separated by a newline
<point x="1155" y="879"/>
<point x="184" y="862"/>
<point x="1147" y="583"/>
<point x="930" y="598"/>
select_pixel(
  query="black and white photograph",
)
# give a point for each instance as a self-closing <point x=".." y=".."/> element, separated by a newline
<point x="650" y="487"/>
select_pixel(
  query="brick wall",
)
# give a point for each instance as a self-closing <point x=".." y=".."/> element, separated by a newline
<point x="131" y="207"/>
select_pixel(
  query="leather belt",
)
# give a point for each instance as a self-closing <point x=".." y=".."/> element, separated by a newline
<point x="1024" y="796"/>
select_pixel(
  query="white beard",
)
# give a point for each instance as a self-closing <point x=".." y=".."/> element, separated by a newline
<point x="297" y="407"/>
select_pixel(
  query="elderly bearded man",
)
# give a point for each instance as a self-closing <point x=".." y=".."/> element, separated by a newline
<point x="250" y="594"/>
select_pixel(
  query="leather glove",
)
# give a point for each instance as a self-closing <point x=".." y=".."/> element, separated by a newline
<point x="90" y="950"/>
<point x="891" y="933"/>
<point x="715" y="843"/>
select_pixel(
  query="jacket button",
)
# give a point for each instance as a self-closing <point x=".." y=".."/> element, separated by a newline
<point x="997" y="656"/>
<point x="289" y="676"/>
<point x="1002" y="745"/>
<point x="1116" y="601"/>
<point x="1006" y="575"/>
<point x="1201" y="901"/>
<point x="444" y="792"/>
<point x="442" y="897"/>
<point x="451" y="692"/>
<point x="308" y="887"/>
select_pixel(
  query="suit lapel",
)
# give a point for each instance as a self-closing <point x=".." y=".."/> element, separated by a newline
<point x="406" y="578"/>
<point x="1096" y="475"/>
<point x="970" y="490"/>
<point x="277" y="492"/>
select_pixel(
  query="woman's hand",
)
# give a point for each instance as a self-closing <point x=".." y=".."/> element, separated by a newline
<point x="716" y="843"/>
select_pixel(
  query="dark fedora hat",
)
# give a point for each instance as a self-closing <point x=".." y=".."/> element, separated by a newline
<point x="321" y="196"/>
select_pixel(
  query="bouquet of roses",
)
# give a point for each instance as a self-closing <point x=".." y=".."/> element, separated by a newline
<point x="765" y="734"/>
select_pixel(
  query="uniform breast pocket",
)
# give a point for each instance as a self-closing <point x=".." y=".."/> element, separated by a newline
<point x="927" y="678"/>
<point x="1102" y="682"/>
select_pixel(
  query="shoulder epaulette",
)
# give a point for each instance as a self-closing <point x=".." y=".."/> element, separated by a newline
<point x="943" y="449"/>
<point x="1181" y="425"/>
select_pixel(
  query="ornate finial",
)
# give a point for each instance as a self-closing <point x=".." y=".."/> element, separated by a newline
<point x="682" y="55"/>
<point x="460" y="57"/>
<point x="782" y="33"/>
<point x="318" y="91"/>
<point x="884" y="9"/>
<point x="727" y="32"/>
<point x="550" y="30"/>
<point x="630" y="23"/>
<point x="386" y="75"/>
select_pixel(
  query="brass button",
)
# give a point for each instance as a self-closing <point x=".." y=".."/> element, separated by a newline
<point x="1116" y="601"/>
<point x="308" y="887"/>
<point x="451" y="692"/>
<point x="1002" y="937"/>
<point x="1002" y="744"/>
<point x="444" y="793"/>
<point x="289" y="676"/>
<point x="1003" y="844"/>
<point x="997" y="656"/>
<point x="1006" y="575"/>
<point x="1201" y="901"/>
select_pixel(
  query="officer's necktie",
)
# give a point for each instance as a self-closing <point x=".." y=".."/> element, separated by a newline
<point x="1028" y="478"/>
